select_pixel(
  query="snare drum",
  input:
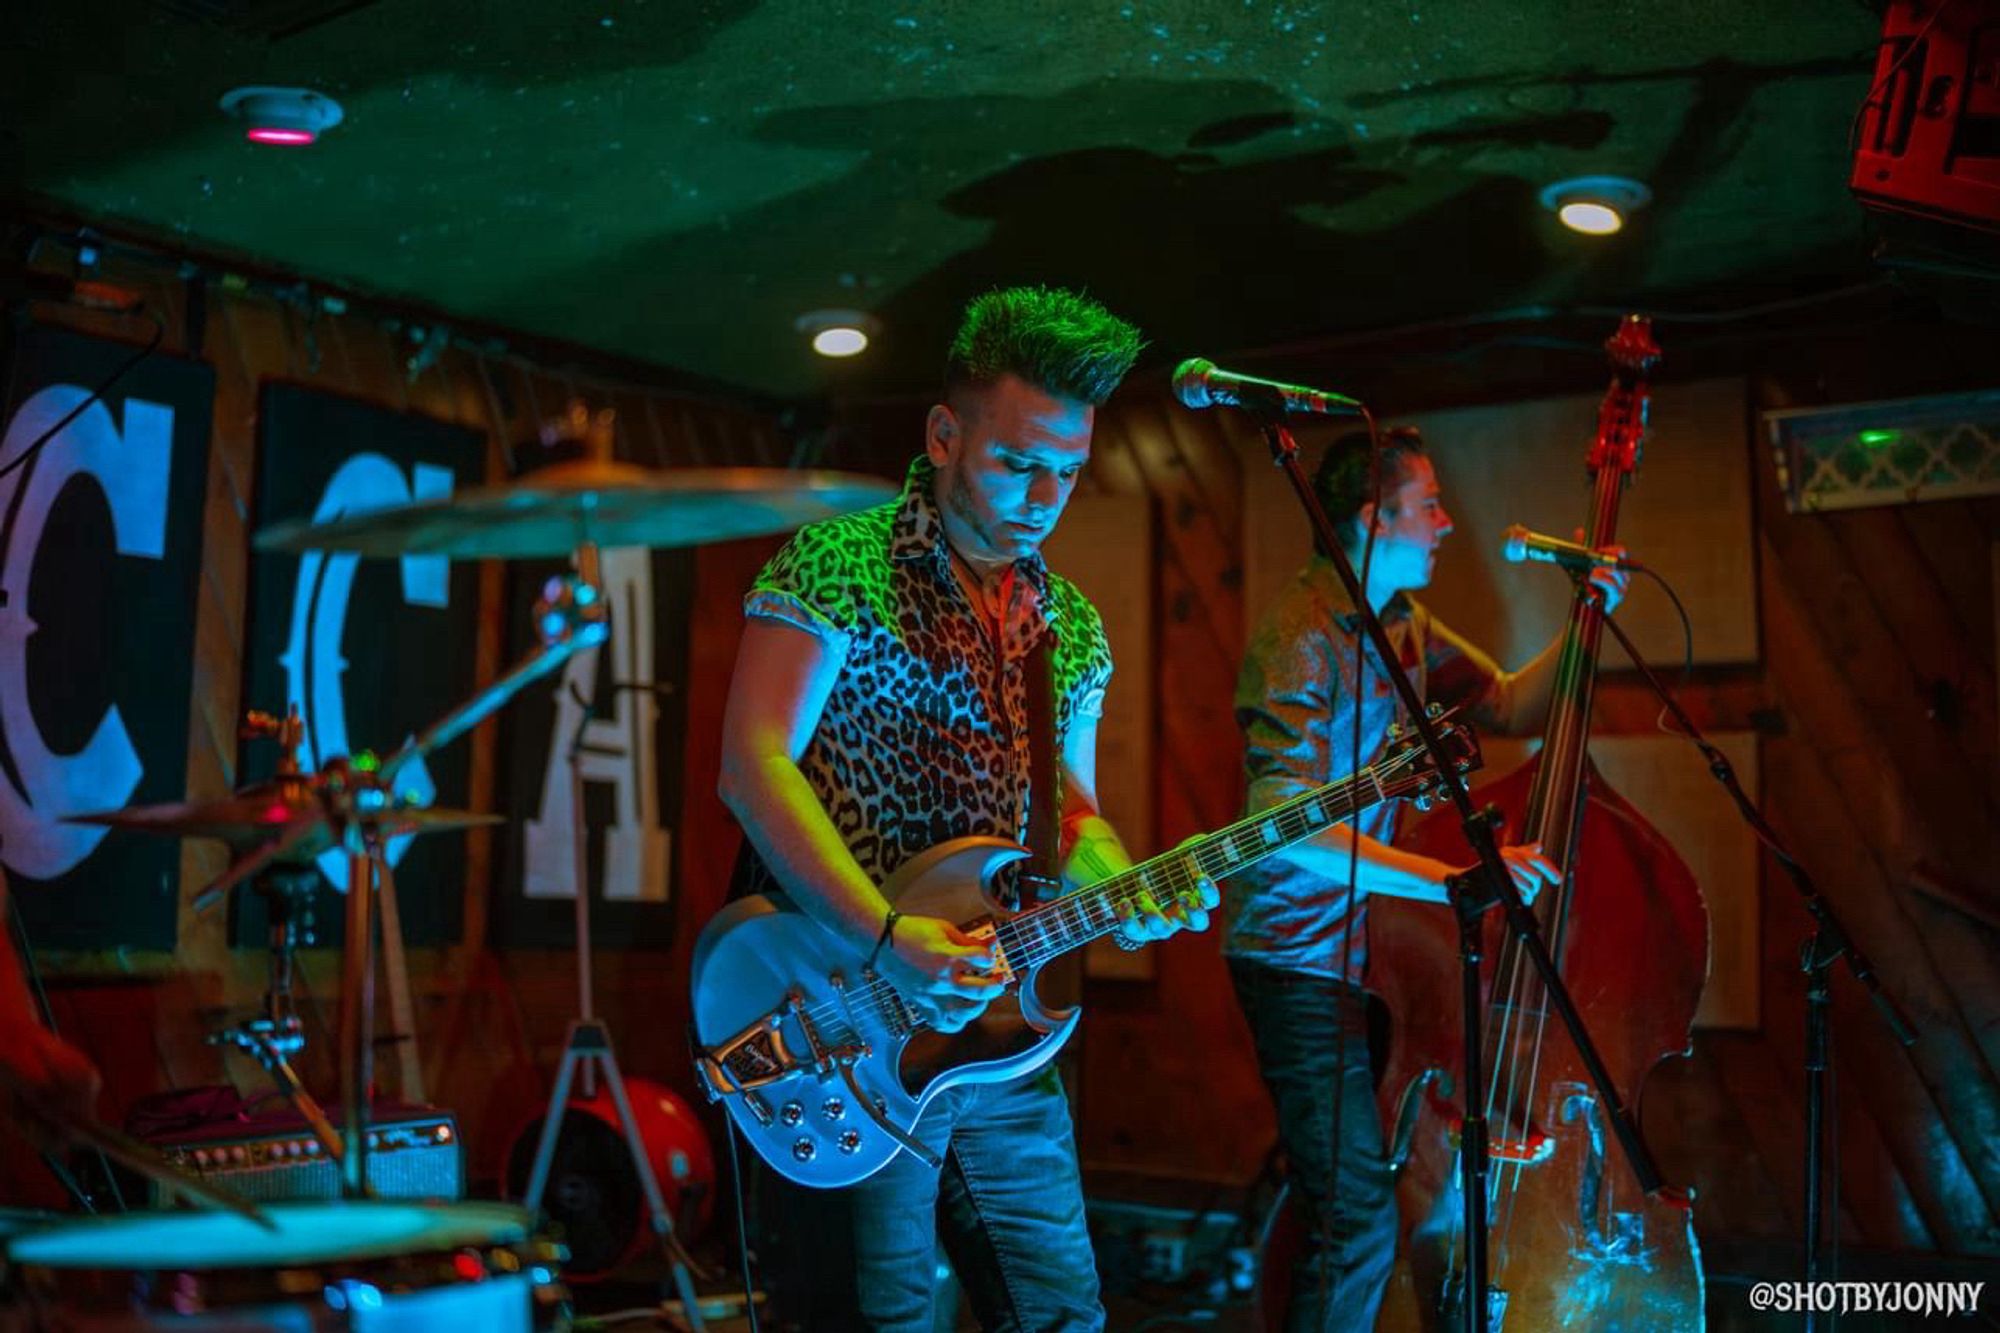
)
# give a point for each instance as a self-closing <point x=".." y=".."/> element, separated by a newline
<point x="375" y="1266"/>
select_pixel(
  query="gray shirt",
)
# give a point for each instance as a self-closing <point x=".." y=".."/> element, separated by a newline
<point x="1296" y="703"/>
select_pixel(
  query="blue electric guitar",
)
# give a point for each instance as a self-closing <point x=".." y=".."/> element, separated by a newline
<point x="825" y="1066"/>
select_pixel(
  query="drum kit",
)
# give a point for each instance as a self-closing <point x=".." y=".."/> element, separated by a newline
<point x="363" y="1262"/>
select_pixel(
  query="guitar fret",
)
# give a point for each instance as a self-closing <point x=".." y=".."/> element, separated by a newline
<point x="1055" y="928"/>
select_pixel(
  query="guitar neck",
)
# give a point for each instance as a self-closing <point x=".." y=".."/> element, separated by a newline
<point x="1053" y="929"/>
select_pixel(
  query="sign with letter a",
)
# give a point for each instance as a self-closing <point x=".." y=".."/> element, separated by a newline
<point x="100" y="562"/>
<point x="370" y="650"/>
<point x="620" y="711"/>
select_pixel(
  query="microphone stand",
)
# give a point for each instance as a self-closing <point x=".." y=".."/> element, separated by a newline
<point x="1471" y="893"/>
<point x="1828" y="941"/>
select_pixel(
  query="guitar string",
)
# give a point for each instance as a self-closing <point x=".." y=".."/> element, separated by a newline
<point x="1099" y="902"/>
<point x="1293" y="820"/>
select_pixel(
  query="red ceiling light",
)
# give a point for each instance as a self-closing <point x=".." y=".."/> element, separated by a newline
<point x="288" y="116"/>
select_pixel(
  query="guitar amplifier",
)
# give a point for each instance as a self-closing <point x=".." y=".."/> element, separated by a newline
<point x="272" y="1157"/>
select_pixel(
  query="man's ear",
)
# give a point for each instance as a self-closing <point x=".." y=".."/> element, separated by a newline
<point x="1364" y="519"/>
<point x="942" y="431"/>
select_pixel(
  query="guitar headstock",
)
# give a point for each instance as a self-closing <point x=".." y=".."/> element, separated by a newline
<point x="1406" y="768"/>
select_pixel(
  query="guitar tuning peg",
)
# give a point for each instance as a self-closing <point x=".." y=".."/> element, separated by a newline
<point x="1434" y="711"/>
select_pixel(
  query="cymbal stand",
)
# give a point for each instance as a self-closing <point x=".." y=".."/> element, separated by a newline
<point x="570" y="616"/>
<point x="587" y="1043"/>
<point x="273" y="1038"/>
<point x="357" y="798"/>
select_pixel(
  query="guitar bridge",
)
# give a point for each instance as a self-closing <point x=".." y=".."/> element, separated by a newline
<point x="760" y="1055"/>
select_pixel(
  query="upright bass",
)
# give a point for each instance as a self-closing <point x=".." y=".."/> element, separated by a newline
<point x="1573" y="1240"/>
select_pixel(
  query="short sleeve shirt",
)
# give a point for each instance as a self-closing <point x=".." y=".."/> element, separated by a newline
<point x="1296" y="704"/>
<point x="924" y="736"/>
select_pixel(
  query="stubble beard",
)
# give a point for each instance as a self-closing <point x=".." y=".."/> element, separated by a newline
<point x="958" y="501"/>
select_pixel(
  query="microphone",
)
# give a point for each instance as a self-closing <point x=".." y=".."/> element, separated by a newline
<point x="1199" y="383"/>
<point x="1521" y="544"/>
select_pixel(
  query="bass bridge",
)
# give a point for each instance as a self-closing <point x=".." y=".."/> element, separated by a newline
<point x="1528" y="1147"/>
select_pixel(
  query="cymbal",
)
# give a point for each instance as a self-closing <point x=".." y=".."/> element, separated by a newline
<point x="552" y="511"/>
<point x="258" y="814"/>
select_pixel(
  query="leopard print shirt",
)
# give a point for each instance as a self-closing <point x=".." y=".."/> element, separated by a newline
<point x="925" y="734"/>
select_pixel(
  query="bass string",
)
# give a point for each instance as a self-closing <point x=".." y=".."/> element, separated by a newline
<point x="1523" y="1098"/>
<point x="1519" y="1105"/>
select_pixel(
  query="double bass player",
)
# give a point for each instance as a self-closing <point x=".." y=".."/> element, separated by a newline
<point x="1295" y="928"/>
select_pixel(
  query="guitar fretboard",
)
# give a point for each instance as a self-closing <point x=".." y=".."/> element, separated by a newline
<point x="1036" y="936"/>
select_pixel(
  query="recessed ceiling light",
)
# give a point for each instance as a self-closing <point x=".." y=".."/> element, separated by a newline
<point x="281" y="115"/>
<point x="1596" y="205"/>
<point x="837" y="333"/>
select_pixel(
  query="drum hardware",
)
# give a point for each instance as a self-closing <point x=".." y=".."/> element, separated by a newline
<point x="348" y="803"/>
<point x="574" y="508"/>
<point x="279" y="822"/>
<point x="276" y="1036"/>
<point x="351" y="805"/>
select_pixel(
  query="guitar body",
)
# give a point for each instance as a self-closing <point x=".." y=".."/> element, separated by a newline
<point x="788" y="1014"/>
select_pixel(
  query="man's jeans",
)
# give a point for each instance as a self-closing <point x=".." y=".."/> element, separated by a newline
<point x="1311" y="1035"/>
<point x="1008" y="1206"/>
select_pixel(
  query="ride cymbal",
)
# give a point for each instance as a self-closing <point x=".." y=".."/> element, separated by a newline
<point x="554" y="510"/>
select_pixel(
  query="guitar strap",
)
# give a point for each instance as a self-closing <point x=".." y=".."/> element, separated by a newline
<point x="1039" y="878"/>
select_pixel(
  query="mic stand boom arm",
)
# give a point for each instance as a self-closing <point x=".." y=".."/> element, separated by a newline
<point x="1471" y="892"/>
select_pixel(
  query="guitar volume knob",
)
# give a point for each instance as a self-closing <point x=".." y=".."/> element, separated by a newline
<point x="803" y="1149"/>
<point x="833" y="1108"/>
<point x="791" y="1113"/>
<point x="850" y="1140"/>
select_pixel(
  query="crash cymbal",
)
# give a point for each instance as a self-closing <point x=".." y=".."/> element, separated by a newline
<point x="260" y="813"/>
<point x="554" y="510"/>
